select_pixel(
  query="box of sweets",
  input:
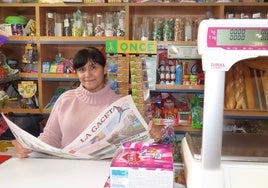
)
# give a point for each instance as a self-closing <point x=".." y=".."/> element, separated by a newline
<point x="142" y="165"/>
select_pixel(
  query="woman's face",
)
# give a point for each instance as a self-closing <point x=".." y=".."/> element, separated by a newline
<point x="91" y="76"/>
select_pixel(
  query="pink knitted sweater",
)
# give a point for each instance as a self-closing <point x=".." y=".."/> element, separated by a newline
<point x="73" y="112"/>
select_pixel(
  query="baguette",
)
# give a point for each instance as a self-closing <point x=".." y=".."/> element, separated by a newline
<point x="229" y="90"/>
<point x="249" y="87"/>
<point x="239" y="87"/>
<point x="265" y="86"/>
<point x="260" y="64"/>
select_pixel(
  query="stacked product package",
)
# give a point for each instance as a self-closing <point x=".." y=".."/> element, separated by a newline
<point x="139" y="81"/>
<point x="118" y="73"/>
<point x="142" y="165"/>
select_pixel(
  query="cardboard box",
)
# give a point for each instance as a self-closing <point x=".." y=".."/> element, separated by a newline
<point x="142" y="165"/>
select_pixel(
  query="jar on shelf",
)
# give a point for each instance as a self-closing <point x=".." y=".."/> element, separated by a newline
<point x="145" y="28"/>
<point x="87" y="23"/>
<point x="188" y="29"/>
<point x="178" y="29"/>
<point x="58" y="28"/>
<point x="109" y="23"/>
<point x="50" y="24"/>
<point x="157" y="29"/>
<point x="168" y="29"/>
<point x="121" y="27"/>
<point x="67" y="28"/>
<point x="136" y="33"/>
<point x="99" y="25"/>
<point x="196" y="22"/>
<point x="77" y="28"/>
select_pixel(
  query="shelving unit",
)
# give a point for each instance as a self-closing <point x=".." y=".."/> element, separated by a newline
<point x="49" y="46"/>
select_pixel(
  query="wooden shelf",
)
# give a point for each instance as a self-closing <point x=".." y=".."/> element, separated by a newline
<point x="185" y="129"/>
<point x="29" y="75"/>
<point x="76" y="40"/>
<point x="180" y="88"/>
<point x="67" y="76"/>
<point x="246" y="114"/>
<point x="21" y="110"/>
<point x="48" y="47"/>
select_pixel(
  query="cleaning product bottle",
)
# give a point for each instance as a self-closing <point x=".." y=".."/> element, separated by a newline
<point x="178" y="75"/>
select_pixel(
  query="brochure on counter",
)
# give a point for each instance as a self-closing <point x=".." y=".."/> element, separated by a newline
<point x="119" y="123"/>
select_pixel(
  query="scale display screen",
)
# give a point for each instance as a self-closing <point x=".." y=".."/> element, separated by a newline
<point x="236" y="38"/>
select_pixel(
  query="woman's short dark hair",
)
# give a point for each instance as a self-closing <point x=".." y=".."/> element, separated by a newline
<point x="88" y="54"/>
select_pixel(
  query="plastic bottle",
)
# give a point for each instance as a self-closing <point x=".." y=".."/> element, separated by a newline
<point x="178" y="74"/>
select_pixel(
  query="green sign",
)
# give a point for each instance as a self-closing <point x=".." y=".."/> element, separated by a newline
<point x="131" y="47"/>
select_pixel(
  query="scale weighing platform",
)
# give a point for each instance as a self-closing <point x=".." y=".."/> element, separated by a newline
<point x="213" y="158"/>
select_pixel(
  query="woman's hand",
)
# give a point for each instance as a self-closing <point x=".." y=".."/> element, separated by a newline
<point x="20" y="151"/>
<point x="155" y="131"/>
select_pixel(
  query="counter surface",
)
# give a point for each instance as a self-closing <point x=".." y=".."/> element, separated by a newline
<point x="44" y="173"/>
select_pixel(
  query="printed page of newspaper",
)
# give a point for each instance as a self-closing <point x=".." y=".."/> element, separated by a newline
<point x="31" y="142"/>
<point x="119" y="123"/>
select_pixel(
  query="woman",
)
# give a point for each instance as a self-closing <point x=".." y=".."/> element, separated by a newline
<point x="76" y="109"/>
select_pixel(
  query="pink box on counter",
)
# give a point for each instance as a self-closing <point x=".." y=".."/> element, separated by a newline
<point x="142" y="166"/>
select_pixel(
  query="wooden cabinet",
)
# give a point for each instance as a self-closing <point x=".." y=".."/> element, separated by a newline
<point x="49" y="46"/>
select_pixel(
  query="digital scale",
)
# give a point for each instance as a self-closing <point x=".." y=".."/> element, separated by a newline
<point x="214" y="159"/>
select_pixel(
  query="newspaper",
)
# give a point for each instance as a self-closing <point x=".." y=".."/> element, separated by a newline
<point x="119" y="123"/>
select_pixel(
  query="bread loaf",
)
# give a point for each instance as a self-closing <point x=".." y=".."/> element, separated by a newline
<point x="249" y="87"/>
<point x="239" y="85"/>
<point x="265" y="86"/>
<point x="229" y="90"/>
<point x="259" y="64"/>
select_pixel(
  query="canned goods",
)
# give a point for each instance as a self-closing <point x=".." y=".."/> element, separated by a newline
<point x="193" y="79"/>
<point x="186" y="79"/>
<point x="184" y="68"/>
